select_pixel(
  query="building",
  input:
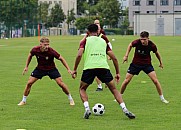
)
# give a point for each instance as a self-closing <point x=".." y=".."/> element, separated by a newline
<point x="160" y="17"/>
<point x="124" y="4"/>
<point x="66" y="5"/>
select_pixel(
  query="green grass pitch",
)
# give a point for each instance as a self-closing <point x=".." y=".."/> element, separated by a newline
<point x="48" y="108"/>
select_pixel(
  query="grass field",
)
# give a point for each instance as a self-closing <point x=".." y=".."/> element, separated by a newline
<point x="48" y="108"/>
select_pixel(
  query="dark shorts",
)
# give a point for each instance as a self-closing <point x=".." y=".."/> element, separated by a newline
<point x="135" y="69"/>
<point x="53" y="74"/>
<point x="103" y="74"/>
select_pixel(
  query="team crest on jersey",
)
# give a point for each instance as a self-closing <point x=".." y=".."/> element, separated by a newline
<point x="46" y="57"/>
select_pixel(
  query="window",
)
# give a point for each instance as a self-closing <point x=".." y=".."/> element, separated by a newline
<point x="177" y="11"/>
<point x="60" y="3"/>
<point x="150" y="12"/>
<point x="177" y="2"/>
<point x="136" y="2"/>
<point x="136" y="12"/>
<point x="163" y="2"/>
<point x="150" y="2"/>
<point x="163" y="12"/>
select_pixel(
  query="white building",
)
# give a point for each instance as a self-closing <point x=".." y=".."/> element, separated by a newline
<point x="159" y="17"/>
<point x="158" y="24"/>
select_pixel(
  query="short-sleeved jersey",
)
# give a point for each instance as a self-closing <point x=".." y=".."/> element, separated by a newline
<point x="95" y="53"/>
<point x="45" y="59"/>
<point x="103" y="32"/>
<point x="142" y="53"/>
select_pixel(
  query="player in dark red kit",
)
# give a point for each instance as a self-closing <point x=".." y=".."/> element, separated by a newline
<point x="142" y="62"/>
<point x="45" y="57"/>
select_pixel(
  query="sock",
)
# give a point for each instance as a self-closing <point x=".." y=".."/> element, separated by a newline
<point x="24" y="98"/>
<point x="70" y="97"/>
<point x="100" y="86"/>
<point x="86" y="105"/>
<point x="162" y="97"/>
<point x="123" y="106"/>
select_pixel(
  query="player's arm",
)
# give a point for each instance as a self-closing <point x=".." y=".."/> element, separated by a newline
<point x="65" y="64"/>
<point x="77" y="61"/>
<point x="87" y="34"/>
<point x="107" y="41"/>
<point x="125" y="58"/>
<point x="116" y="64"/>
<point x="159" y="59"/>
<point x="27" y="63"/>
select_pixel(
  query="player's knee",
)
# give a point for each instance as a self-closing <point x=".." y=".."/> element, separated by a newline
<point x="126" y="81"/>
<point x="29" y="84"/>
<point x="155" y="81"/>
<point x="61" y="84"/>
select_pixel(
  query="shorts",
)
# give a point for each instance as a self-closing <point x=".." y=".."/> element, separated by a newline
<point x="102" y="74"/>
<point x="135" y="69"/>
<point x="53" y="73"/>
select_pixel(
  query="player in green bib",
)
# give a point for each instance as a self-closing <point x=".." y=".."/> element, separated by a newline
<point x="95" y="56"/>
<point x="94" y="49"/>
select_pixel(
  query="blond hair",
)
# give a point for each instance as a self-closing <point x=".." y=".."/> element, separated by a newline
<point x="44" y="40"/>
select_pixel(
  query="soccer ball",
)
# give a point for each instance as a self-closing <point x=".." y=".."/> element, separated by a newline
<point x="113" y="39"/>
<point x="98" y="109"/>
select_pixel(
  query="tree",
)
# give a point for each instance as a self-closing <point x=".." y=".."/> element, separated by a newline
<point x="125" y="22"/>
<point x="82" y="22"/>
<point x="71" y="17"/>
<point x="110" y="11"/>
<point x="57" y="16"/>
<point x="16" y="11"/>
<point x="43" y="12"/>
<point x="107" y="11"/>
<point x="83" y="5"/>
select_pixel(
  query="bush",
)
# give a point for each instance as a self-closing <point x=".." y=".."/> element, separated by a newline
<point x="118" y="31"/>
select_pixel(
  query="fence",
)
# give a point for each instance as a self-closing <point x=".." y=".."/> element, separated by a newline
<point x="27" y="30"/>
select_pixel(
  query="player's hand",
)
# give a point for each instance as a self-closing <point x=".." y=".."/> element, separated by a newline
<point x="125" y="59"/>
<point x="69" y="71"/>
<point x="25" y="70"/>
<point x="161" y="66"/>
<point x="117" y="78"/>
<point x="74" y="74"/>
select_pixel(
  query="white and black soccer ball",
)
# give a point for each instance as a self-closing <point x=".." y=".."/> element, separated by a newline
<point x="98" y="109"/>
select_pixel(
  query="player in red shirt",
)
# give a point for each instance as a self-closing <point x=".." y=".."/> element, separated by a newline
<point x="97" y="22"/>
<point x="142" y="62"/>
<point x="45" y="57"/>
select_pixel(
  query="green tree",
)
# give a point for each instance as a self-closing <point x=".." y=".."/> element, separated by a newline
<point x="14" y="12"/>
<point x="43" y="12"/>
<point x="83" y="5"/>
<point x="82" y="22"/>
<point x="17" y="10"/>
<point x="57" y="16"/>
<point x="71" y="17"/>
<point x="110" y="11"/>
<point x="125" y="22"/>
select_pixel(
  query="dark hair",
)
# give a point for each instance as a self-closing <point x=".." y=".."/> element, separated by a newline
<point x="92" y="28"/>
<point x="144" y="34"/>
